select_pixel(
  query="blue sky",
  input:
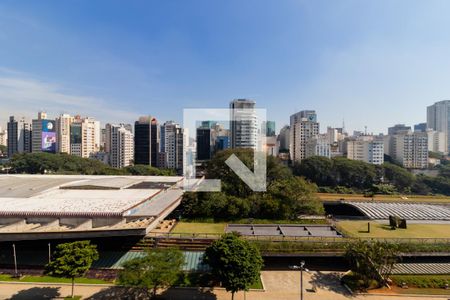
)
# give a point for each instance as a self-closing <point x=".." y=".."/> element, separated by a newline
<point x="374" y="63"/>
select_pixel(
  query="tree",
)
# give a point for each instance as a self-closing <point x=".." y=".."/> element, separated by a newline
<point x="398" y="176"/>
<point x="234" y="262"/>
<point x="72" y="260"/>
<point x="231" y="183"/>
<point x="158" y="268"/>
<point x="371" y="260"/>
<point x="295" y="196"/>
<point x="318" y="169"/>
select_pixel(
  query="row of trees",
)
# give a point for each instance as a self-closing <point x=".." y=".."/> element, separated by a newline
<point x="344" y="175"/>
<point x="287" y="196"/>
<point x="234" y="262"/>
<point x="61" y="163"/>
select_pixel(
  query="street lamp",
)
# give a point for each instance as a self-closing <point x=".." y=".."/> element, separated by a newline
<point x="301" y="268"/>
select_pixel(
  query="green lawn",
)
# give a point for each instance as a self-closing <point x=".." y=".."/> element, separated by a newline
<point x="196" y="227"/>
<point x="50" y="279"/>
<point x="377" y="230"/>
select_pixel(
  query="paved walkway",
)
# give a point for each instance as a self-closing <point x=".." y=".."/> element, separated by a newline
<point x="280" y="285"/>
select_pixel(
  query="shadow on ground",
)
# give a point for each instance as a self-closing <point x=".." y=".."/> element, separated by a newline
<point x="122" y="293"/>
<point x="37" y="293"/>
<point x="329" y="282"/>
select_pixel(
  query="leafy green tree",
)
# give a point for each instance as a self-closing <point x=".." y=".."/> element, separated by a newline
<point x="371" y="261"/>
<point x="354" y="173"/>
<point x="231" y="183"/>
<point x="158" y="268"/>
<point x="295" y="196"/>
<point x="72" y="260"/>
<point x="234" y="262"/>
<point x="398" y="176"/>
<point x="318" y="169"/>
<point x="62" y="163"/>
<point x="144" y="170"/>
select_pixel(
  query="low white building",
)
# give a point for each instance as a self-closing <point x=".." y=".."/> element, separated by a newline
<point x="367" y="148"/>
<point x="318" y="145"/>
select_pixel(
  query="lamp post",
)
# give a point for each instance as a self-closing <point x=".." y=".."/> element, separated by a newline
<point x="15" y="261"/>
<point x="49" y="253"/>
<point x="301" y="268"/>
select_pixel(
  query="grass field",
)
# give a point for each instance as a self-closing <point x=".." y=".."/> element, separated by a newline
<point x="196" y="227"/>
<point x="393" y="198"/>
<point x="50" y="279"/>
<point x="377" y="230"/>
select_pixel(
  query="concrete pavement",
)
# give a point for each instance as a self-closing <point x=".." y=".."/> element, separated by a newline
<point x="279" y="285"/>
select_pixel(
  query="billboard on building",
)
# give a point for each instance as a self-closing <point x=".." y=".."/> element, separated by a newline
<point x="48" y="136"/>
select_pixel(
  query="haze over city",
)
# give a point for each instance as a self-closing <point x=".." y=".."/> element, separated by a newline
<point x="373" y="64"/>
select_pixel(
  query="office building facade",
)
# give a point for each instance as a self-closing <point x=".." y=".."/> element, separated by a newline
<point x="147" y="141"/>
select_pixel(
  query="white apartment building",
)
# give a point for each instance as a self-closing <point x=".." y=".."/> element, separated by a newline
<point x="318" y="145"/>
<point x="121" y="145"/>
<point x="244" y="124"/>
<point x="63" y="123"/>
<point x="304" y="125"/>
<point x="366" y="148"/>
<point x="84" y="137"/>
<point x="410" y="149"/>
<point x="174" y="145"/>
<point x="436" y="141"/>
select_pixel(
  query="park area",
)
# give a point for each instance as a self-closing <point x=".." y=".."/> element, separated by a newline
<point x="197" y="227"/>
<point x="383" y="230"/>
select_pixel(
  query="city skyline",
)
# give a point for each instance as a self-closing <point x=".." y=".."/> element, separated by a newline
<point x="338" y="58"/>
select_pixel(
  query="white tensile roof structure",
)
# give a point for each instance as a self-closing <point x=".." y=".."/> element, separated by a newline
<point x="84" y="203"/>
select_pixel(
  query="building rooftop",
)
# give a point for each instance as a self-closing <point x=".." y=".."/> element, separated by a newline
<point x="47" y="206"/>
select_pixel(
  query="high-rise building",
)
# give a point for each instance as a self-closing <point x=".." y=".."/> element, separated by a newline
<point x="146" y="141"/>
<point x="421" y="127"/>
<point x="269" y="127"/>
<point x="43" y="134"/>
<point x="436" y="141"/>
<point x="410" y="149"/>
<point x="25" y="136"/>
<point x="205" y="142"/>
<point x="304" y="125"/>
<point x="13" y="136"/>
<point x="63" y="133"/>
<point x="84" y="137"/>
<point x="283" y="138"/>
<point x="222" y="143"/>
<point x="121" y="145"/>
<point x="398" y="128"/>
<point x="244" y="124"/>
<point x="367" y="148"/>
<point x="173" y="146"/>
<point x="438" y="119"/>
<point x="318" y="145"/>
